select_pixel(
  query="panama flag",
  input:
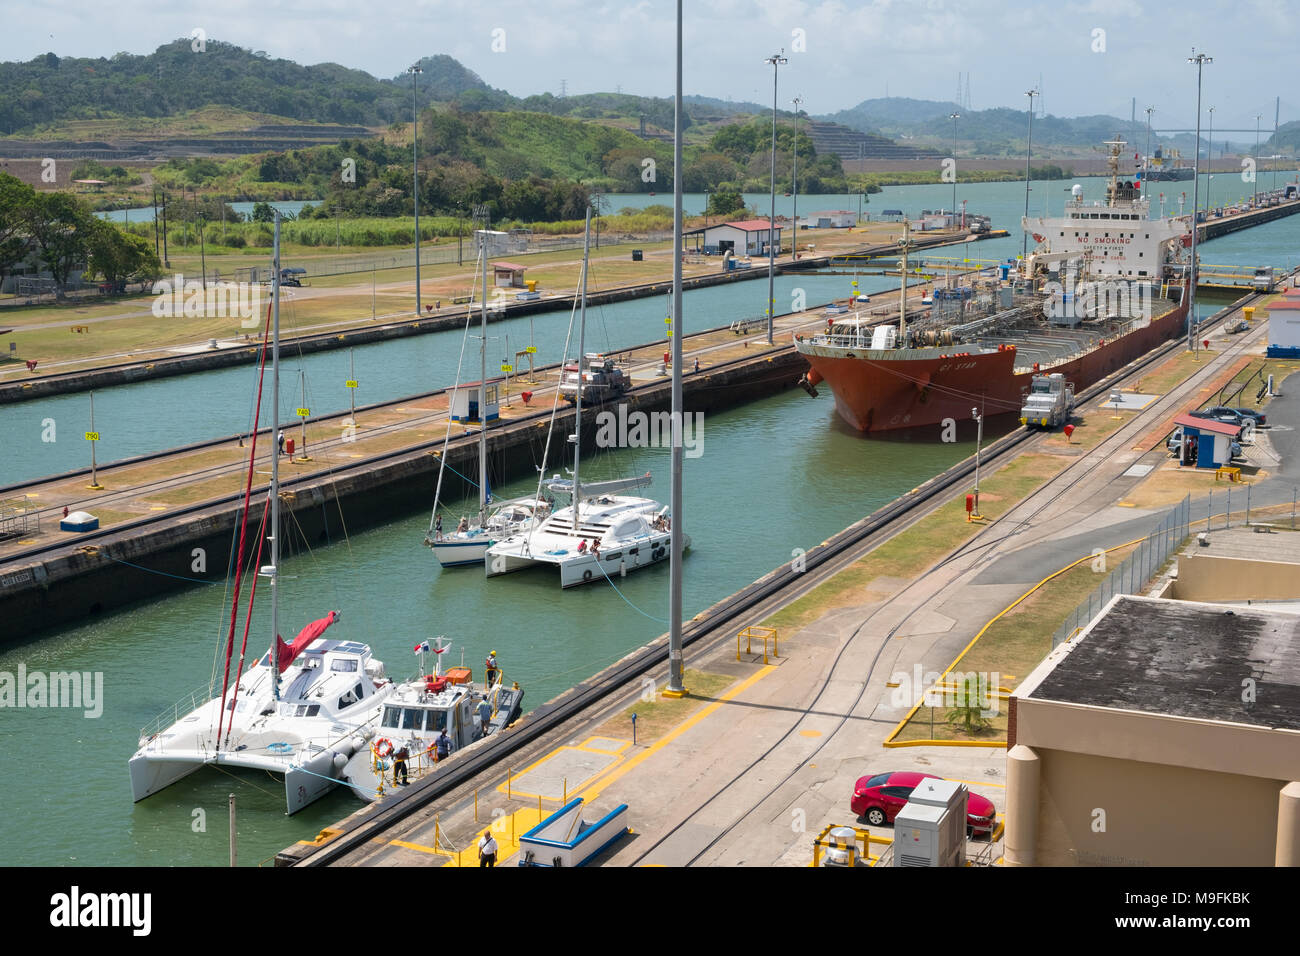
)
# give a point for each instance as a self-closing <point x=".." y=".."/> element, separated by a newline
<point x="422" y="647"/>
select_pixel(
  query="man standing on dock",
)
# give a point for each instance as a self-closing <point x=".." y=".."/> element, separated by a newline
<point x="279" y="440"/>
<point x="487" y="850"/>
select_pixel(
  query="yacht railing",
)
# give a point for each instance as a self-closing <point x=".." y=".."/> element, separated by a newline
<point x="182" y="708"/>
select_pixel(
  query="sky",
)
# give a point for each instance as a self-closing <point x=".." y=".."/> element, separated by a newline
<point x="1092" y="56"/>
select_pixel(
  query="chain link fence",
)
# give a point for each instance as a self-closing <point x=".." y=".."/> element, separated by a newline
<point x="1135" y="571"/>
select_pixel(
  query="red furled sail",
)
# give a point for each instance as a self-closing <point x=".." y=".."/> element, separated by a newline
<point x="288" y="652"/>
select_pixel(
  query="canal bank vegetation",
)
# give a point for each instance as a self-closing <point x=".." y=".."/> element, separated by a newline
<point x="891" y="566"/>
<point x="873" y="182"/>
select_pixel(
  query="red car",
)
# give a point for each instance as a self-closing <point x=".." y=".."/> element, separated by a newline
<point x="879" y="799"/>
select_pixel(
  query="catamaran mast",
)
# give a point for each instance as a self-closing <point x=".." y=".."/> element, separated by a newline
<point x="482" y="400"/>
<point x="582" y="351"/>
<point x="675" y="687"/>
<point x="275" y="467"/>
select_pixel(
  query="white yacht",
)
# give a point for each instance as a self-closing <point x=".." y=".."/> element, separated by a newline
<point x="602" y="533"/>
<point x="468" y="542"/>
<point x="302" y="716"/>
<point x="610" y="535"/>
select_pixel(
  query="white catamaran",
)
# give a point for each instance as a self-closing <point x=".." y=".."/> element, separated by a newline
<point x="468" y="542"/>
<point x="602" y="533"/>
<point x="302" y="710"/>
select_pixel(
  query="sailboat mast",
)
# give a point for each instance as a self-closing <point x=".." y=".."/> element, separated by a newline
<point x="582" y="350"/>
<point x="275" y="467"/>
<point x="482" y="398"/>
<point x="675" y="686"/>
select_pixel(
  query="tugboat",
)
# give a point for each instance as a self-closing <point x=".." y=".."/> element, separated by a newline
<point x="419" y="711"/>
<point x="1165" y="167"/>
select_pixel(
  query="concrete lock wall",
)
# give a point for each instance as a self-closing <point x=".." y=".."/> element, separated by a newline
<point x="1153" y="814"/>
<point x="1203" y="577"/>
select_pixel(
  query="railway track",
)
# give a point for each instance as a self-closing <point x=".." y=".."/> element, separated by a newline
<point x="717" y="625"/>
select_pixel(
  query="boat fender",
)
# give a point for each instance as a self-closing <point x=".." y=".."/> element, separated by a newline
<point x="586" y="575"/>
<point x="383" y="747"/>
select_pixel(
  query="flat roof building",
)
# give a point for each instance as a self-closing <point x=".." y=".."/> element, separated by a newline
<point x="1166" y="734"/>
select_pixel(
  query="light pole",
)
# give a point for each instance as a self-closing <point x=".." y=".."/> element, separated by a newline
<point x="1200" y="59"/>
<point x="794" y="243"/>
<point x="1258" y="117"/>
<point x="954" y="117"/>
<point x="979" y="440"/>
<point x="777" y="61"/>
<point x="1146" y="157"/>
<point x="1209" y="164"/>
<point x="415" y="172"/>
<point x="1029" y="149"/>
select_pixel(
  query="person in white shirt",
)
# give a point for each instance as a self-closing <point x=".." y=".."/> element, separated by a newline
<point x="487" y="850"/>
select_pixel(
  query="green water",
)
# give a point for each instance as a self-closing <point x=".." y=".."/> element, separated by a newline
<point x="776" y="475"/>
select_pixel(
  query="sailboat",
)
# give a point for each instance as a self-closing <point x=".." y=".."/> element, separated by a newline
<point x="602" y="533"/>
<point x="302" y="710"/>
<point x="468" y="542"/>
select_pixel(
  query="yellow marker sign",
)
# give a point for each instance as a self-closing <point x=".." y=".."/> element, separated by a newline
<point x="668" y="320"/>
<point x="304" y="413"/>
<point x="92" y="436"/>
<point x="670" y="333"/>
<point x="507" y="368"/>
<point x="351" y="383"/>
<point x="531" y="350"/>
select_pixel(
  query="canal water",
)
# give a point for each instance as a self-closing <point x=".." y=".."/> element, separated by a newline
<point x="217" y="403"/>
<point x="748" y="508"/>
<point x="749" y="505"/>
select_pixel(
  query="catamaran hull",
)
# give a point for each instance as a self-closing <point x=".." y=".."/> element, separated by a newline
<point x="576" y="570"/>
<point x="151" y="774"/>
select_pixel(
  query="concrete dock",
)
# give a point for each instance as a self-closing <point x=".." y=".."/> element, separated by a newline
<point x="763" y="754"/>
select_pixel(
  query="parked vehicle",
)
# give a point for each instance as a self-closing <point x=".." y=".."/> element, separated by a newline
<point x="1259" y="417"/>
<point x="880" y="797"/>
<point x="1232" y="328"/>
<point x="1219" y="413"/>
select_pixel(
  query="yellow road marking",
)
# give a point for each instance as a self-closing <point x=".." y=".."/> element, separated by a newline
<point x="416" y="846"/>
<point x="615" y="773"/>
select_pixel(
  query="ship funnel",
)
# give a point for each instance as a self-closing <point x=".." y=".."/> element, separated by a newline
<point x="1076" y="191"/>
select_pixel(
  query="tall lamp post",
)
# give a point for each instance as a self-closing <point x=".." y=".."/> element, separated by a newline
<point x="1029" y="149"/>
<point x="777" y="61"/>
<point x="1200" y="59"/>
<point x="415" y="71"/>
<point x="954" y="117"/>
<point x="1209" y="164"/>
<point x="1146" y="157"/>
<point x="1258" y="117"/>
<point x="794" y="243"/>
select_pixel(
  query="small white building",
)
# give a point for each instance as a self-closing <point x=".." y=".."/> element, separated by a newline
<point x="745" y="237"/>
<point x="830" y="219"/>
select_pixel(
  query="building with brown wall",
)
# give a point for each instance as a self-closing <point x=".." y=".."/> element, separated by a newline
<point x="1166" y="734"/>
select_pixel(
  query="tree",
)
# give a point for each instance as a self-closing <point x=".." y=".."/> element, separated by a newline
<point x="60" y="225"/>
<point x="970" y="702"/>
<point x="16" y="201"/>
<point x="118" y="257"/>
<point x="262" y="212"/>
<point x="724" y="202"/>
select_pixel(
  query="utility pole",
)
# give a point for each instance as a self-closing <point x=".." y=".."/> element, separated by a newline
<point x="954" y="117"/>
<point x="1024" y="246"/>
<point x="1200" y="59"/>
<point x="777" y="60"/>
<point x="415" y="71"/>
<point x="1146" y="157"/>
<point x="1258" y="117"/>
<point x="794" y="243"/>
<point x="1209" y="160"/>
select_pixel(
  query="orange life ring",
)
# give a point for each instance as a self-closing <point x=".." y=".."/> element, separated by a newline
<point x="379" y="747"/>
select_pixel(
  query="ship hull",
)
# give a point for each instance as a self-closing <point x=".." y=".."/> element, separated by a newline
<point x="882" y="394"/>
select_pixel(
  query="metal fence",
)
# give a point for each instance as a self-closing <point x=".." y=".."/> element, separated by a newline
<point x="1135" y="571"/>
<point x="442" y="254"/>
